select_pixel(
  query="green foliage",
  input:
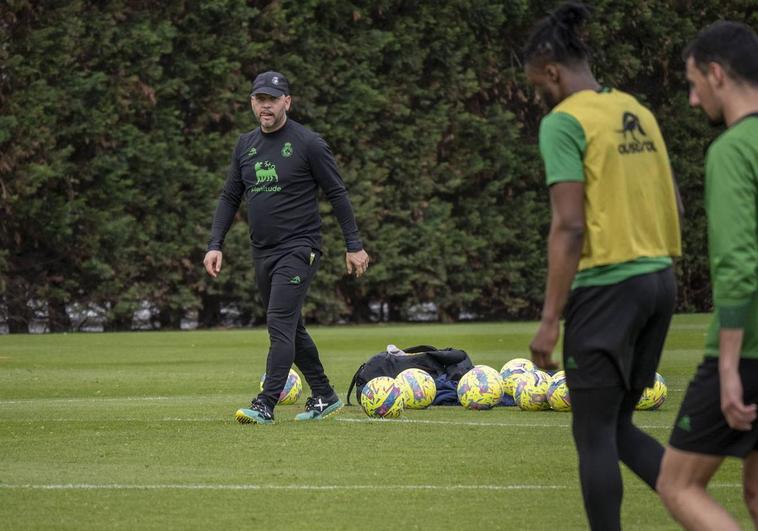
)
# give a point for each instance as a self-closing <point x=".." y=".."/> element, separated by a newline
<point x="117" y="120"/>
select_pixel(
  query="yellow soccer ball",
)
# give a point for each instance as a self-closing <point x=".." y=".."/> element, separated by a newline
<point x="531" y="391"/>
<point x="418" y="388"/>
<point x="558" y="394"/>
<point x="512" y="370"/>
<point x="654" y="397"/>
<point x="293" y="388"/>
<point x="480" y="389"/>
<point x="382" y="397"/>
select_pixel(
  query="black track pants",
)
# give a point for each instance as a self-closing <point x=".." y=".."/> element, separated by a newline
<point x="283" y="281"/>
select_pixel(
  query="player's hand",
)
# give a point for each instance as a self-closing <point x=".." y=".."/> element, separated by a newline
<point x="738" y="415"/>
<point x="212" y="263"/>
<point x="543" y="344"/>
<point x="357" y="262"/>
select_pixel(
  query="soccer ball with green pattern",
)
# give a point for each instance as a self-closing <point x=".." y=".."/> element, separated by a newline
<point x="558" y="394"/>
<point x="654" y="397"/>
<point x="511" y="372"/>
<point x="293" y="387"/>
<point x="480" y="389"/>
<point x="531" y="391"/>
<point x="382" y="397"/>
<point x="418" y="388"/>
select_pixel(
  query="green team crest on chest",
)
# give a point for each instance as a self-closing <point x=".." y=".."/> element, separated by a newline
<point x="287" y="149"/>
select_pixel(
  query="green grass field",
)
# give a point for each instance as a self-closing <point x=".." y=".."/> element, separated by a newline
<point x="136" y="431"/>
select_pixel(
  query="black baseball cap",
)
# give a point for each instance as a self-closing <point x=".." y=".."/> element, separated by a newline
<point x="271" y="83"/>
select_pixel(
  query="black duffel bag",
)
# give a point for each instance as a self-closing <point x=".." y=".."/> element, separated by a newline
<point x="450" y="362"/>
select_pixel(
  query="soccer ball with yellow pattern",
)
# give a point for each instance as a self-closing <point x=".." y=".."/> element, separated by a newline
<point x="511" y="372"/>
<point x="480" y="389"/>
<point x="293" y="387"/>
<point x="558" y="394"/>
<point x="654" y="397"/>
<point x="418" y="388"/>
<point x="531" y="391"/>
<point x="382" y="397"/>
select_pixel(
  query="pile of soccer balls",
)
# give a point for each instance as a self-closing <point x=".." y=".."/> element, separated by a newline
<point x="386" y="397"/>
<point x="519" y="382"/>
<point x="535" y="390"/>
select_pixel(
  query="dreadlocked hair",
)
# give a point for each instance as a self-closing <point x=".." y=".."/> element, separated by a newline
<point x="555" y="38"/>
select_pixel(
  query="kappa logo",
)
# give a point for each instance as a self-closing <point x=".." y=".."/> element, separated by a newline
<point x="630" y="126"/>
<point x="252" y="152"/>
<point x="571" y="363"/>
<point x="295" y="280"/>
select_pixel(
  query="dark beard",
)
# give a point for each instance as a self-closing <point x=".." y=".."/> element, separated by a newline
<point x="716" y="122"/>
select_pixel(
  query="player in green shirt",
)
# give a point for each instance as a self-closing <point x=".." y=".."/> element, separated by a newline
<point x="718" y="414"/>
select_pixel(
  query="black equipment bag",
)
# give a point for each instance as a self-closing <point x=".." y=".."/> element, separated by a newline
<point x="453" y="363"/>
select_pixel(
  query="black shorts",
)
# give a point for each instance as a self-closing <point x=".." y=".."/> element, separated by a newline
<point x="614" y="334"/>
<point x="701" y="427"/>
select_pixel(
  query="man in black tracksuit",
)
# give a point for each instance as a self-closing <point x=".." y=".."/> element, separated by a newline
<point x="278" y="168"/>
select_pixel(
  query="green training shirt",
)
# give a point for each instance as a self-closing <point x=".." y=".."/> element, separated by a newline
<point x="731" y="202"/>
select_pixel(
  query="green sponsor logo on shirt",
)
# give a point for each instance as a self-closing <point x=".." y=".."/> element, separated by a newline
<point x="630" y="125"/>
<point x="265" y="177"/>
<point x="287" y="150"/>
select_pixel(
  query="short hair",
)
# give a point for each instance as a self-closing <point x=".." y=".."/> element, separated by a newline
<point x="555" y="38"/>
<point x="733" y="45"/>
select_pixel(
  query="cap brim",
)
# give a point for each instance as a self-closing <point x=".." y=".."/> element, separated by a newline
<point x="270" y="91"/>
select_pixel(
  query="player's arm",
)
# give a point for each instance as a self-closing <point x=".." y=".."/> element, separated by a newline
<point x="562" y="144"/>
<point x="325" y="172"/>
<point x="564" y="251"/>
<point x="227" y="207"/>
<point x="733" y="250"/>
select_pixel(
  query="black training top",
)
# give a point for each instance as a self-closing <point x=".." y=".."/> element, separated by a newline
<point x="278" y="174"/>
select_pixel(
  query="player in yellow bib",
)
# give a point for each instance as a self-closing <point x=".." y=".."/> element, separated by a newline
<point x="613" y="233"/>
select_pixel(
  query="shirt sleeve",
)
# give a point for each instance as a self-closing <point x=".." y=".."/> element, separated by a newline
<point x="324" y="169"/>
<point x="228" y="203"/>
<point x="732" y="230"/>
<point x="562" y="144"/>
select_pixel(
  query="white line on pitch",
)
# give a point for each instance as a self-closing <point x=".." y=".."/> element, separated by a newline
<point x="38" y="420"/>
<point x="378" y="486"/>
<point x="95" y="399"/>
<point x="471" y="423"/>
<point x="453" y="423"/>
<point x="116" y="486"/>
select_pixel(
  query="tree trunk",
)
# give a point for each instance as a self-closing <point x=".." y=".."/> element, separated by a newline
<point x="209" y="315"/>
<point x="170" y="318"/>
<point x="19" y="312"/>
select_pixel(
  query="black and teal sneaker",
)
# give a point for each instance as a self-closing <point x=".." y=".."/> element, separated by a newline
<point x="318" y="408"/>
<point x="257" y="413"/>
